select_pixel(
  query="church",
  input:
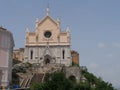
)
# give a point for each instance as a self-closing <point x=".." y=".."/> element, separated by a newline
<point x="48" y="43"/>
<point x="48" y="49"/>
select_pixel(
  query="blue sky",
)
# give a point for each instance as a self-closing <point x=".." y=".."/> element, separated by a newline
<point x="94" y="24"/>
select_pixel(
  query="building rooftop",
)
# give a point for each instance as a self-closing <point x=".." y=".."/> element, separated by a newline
<point x="1" y="28"/>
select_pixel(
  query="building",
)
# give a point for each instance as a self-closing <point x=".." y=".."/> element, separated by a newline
<point x="48" y="44"/>
<point x="6" y="49"/>
<point x="18" y="54"/>
<point x="75" y="57"/>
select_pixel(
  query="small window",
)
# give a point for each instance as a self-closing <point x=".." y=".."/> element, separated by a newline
<point x="31" y="54"/>
<point x="63" y="54"/>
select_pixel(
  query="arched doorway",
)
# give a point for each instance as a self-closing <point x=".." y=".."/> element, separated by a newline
<point x="72" y="78"/>
<point x="47" y="59"/>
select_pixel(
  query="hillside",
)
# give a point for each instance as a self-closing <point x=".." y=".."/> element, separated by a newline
<point x="96" y="82"/>
<point x="58" y="81"/>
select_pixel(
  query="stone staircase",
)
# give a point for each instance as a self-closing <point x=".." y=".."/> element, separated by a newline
<point x="27" y="80"/>
<point x="38" y="77"/>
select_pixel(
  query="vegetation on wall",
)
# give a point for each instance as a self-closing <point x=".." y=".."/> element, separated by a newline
<point x="15" y="61"/>
<point x="58" y="81"/>
<point x="21" y="67"/>
<point x="54" y="81"/>
<point x="96" y="83"/>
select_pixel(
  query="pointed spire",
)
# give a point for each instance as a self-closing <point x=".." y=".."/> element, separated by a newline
<point x="37" y="20"/>
<point x="58" y="22"/>
<point x="58" y="19"/>
<point x="48" y="10"/>
<point x="68" y="29"/>
<point x="27" y="30"/>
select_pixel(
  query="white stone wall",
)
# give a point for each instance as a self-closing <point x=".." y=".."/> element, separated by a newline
<point x="6" y="49"/>
<point x="73" y="71"/>
<point x="56" y="52"/>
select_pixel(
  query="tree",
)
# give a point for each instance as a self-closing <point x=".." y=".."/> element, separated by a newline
<point x="37" y="86"/>
<point x="98" y="83"/>
<point x="58" y="81"/>
<point x="54" y="81"/>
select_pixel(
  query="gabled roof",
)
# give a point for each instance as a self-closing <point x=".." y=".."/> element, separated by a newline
<point x="46" y="17"/>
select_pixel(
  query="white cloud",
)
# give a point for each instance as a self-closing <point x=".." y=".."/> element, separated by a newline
<point x="102" y="45"/>
<point x="117" y="45"/>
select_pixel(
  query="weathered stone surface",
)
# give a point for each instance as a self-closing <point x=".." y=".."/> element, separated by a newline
<point x="74" y="72"/>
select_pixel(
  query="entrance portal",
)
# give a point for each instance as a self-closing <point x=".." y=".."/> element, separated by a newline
<point x="72" y="78"/>
<point x="47" y="59"/>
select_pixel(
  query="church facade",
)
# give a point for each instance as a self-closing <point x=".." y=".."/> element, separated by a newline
<point x="48" y="43"/>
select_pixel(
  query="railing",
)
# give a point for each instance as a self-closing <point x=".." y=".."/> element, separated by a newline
<point x="43" y="78"/>
<point x="37" y="77"/>
<point x="26" y="81"/>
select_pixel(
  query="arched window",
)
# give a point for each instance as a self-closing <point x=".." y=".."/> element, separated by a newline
<point x="31" y="54"/>
<point x="63" y="54"/>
